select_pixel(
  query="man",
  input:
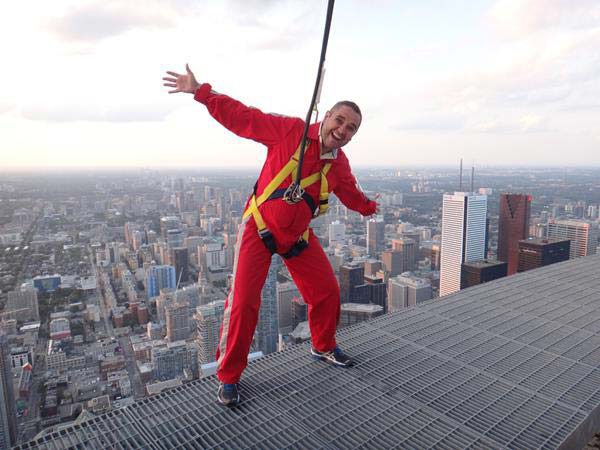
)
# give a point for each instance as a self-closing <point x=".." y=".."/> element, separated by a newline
<point x="271" y="225"/>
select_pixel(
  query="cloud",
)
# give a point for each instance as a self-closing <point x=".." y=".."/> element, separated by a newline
<point x="97" y="113"/>
<point x="276" y="24"/>
<point x="6" y="106"/>
<point x="432" y="122"/>
<point x="93" y="22"/>
<point x="518" y="18"/>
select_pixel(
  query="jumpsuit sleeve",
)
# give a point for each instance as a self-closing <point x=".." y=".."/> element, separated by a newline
<point x="245" y="121"/>
<point x="346" y="189"/>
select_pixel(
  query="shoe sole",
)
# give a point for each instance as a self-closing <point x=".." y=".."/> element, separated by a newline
<point x="318" y="357"/>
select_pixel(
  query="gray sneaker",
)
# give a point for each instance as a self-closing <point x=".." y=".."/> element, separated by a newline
<point x="228" y="394"/>
<point x="335" y="357"/>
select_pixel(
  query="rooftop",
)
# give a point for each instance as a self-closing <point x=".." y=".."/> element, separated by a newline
<point x="509" y="363"/>
<point x="484" y="263"/>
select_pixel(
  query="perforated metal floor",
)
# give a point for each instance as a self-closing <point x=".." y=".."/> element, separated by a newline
<point x="513" y="363"/>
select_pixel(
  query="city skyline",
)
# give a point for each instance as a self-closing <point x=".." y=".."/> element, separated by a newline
<point x="499" y="82"/>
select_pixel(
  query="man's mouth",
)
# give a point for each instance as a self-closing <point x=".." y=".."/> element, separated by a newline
<point x="336" y="136"/>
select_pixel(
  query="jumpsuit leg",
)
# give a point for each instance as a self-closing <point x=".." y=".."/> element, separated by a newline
<point x="316" y="281"/>
<point x="251" y="266"/>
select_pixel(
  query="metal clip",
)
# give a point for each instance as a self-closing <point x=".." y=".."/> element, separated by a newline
<point x="293" y="194"/>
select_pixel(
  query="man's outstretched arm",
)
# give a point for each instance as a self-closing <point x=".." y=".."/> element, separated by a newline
<point x="242" y="120"/>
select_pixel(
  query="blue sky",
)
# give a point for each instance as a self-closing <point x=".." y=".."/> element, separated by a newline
<point x="501" y="82"/>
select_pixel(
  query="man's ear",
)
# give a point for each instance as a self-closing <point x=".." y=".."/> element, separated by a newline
<point x="327" y="114"/>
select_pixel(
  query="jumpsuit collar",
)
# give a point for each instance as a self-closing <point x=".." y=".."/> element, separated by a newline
<point x="314" y="133"/>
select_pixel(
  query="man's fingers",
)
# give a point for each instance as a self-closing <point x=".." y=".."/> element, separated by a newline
<point x="172" y="80"/>
<point x="187" y="68"/>
<point x="175" y="74"/>
<point x="174" y="91"/>
<point x="170" y="84"/>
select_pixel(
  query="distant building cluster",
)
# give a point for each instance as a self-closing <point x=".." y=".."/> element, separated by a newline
<point x="117" y="290"/>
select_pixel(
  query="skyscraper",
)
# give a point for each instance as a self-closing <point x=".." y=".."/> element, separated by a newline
<point x="534" y="253"/>
<point x="174" y="360"/>
<point x="583" y="235"/>
<point x="179" y="258"/>
<point x="178" y="322"/>
<point x="351" y="275"/>
<point x="166" y="298"/>
<point x="8" y="418"/>
<point x="286" y="292"/>
<point x="159" y="277"/>
<point x="513" y="226"/>
<point x="409" y="249"/>
<point x="337" y="233"/>
<point x="375" y="236"/>
<point x="463" y="236"/>
<point x="267" y="330"/>
<point x="208" y="321"/>
<point x="392" y="262"/>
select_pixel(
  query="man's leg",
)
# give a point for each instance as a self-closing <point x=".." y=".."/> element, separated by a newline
<point x="251" y="265"/>
<point x="316" y="281"/>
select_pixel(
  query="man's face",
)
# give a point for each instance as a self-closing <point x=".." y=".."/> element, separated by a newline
<point x="339" y="126"/>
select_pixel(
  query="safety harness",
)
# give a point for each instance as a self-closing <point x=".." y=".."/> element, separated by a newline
<point x="272" y="192"/>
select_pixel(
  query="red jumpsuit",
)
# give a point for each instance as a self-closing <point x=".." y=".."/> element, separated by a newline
<point x="310" y="270"/>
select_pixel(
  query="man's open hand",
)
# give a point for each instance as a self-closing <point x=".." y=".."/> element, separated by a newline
<point x="182" y="83"/>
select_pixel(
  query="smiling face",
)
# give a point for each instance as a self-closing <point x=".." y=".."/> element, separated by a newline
<point x="340" y="124"/>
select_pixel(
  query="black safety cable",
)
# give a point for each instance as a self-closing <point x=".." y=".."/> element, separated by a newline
<point x="293" y="193"/>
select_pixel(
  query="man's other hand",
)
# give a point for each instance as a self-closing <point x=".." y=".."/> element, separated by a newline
<point x="182" y="83"/>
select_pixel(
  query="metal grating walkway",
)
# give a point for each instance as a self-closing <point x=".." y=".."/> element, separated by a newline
<point x="514" y="363"/>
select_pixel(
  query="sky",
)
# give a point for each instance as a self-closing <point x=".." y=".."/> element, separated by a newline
<point x="496" y="82"/>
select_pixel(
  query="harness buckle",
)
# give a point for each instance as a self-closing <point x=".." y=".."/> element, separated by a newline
<point x="268" y="239"/>
<point x="293" y="194"/>
<point x="296" y="249"/>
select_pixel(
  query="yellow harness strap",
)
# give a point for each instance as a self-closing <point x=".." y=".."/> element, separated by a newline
<point x="276" y="182"/>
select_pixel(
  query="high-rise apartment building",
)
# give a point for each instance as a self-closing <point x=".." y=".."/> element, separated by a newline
<point x="8" y="417"/>
<point x="179" y="258"/>
<point x="267" y="329"/>
<point x="535" y="253"/>
<point x="583" y="235"/>
<point x="169" y="223"/>
<point x="208" y="323"/>
<point x="166" y="298"/>
<point x="337" y="233"/>
<point x="392" y="262"/>
<point x="463" y="236"/>
<point x="513" y="226"/>
<point x="286" y="292"/>
<point x="178" y="322"/>
<point x="409" y="249"/>
<point x="375" y="236"/>
<point x="159" y="277"/>
<point x="175" y="359"/>
<point x="407" y="290"/>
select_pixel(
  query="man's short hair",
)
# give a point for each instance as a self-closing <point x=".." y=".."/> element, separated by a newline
<point x="349" y="104"/>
